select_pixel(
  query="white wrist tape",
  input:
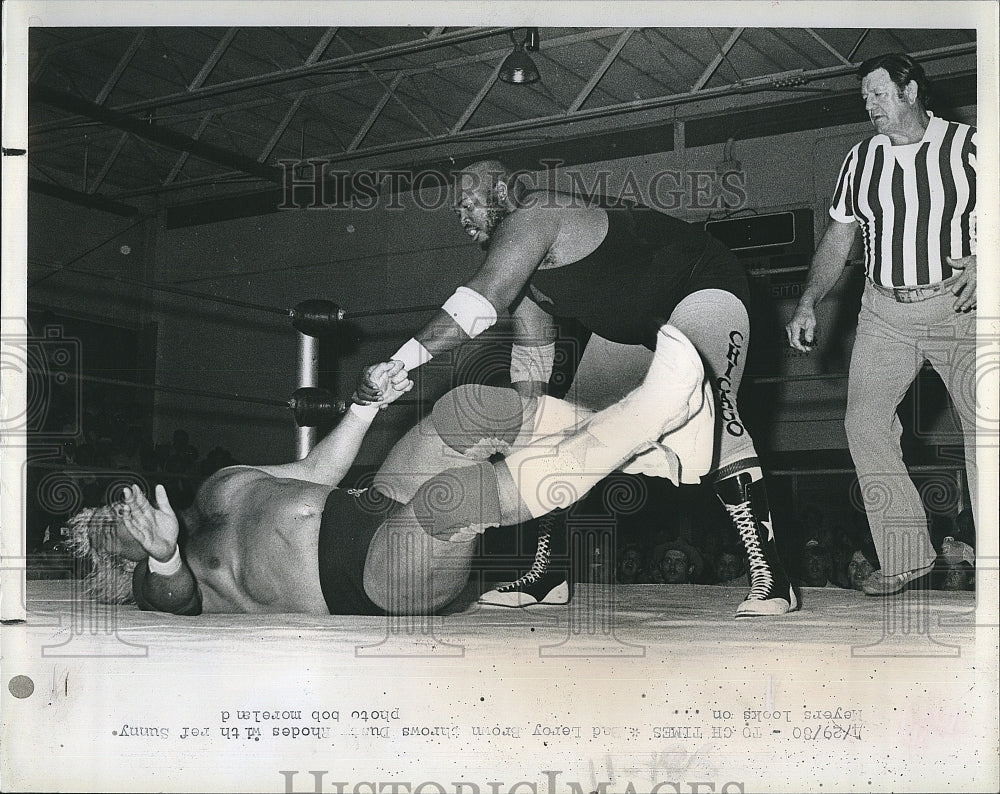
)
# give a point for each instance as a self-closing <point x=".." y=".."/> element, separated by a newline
<point x="365" y="412"/>
<point x="473" y="313"/>
<point x="168" y="568"/>
<point x="412" y="354"/>
<point x="532" y="363"/>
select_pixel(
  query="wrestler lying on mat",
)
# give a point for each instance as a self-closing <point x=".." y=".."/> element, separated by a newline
<point x="285" y="539"/>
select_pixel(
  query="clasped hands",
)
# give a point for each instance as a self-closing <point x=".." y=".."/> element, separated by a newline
<point x="382" y="383"/>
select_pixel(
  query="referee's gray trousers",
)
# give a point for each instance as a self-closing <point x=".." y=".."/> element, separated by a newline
<point x="893" y="341"/>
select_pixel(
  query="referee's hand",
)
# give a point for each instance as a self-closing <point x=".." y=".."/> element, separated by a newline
<point x="964" y="287"/>
<point x="801" y="329"/>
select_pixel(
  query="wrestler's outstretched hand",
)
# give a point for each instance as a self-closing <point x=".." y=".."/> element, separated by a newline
<point x="383" y="383"/>
<point x="156" y="528"/>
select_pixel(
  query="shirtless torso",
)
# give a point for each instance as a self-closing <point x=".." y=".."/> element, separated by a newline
<point x="262" y="556"/>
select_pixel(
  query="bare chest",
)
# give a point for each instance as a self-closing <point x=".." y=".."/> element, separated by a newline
<point x="264" y="559"/>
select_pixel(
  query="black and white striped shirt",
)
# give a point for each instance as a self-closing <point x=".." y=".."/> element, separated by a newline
<point x="916" y="203"/>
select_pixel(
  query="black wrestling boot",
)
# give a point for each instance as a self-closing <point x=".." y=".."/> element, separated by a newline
<point x="538" y="586"/>
<point x="771" y="592"/>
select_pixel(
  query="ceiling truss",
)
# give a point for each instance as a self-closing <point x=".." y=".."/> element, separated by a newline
<point x="394" y="75"/>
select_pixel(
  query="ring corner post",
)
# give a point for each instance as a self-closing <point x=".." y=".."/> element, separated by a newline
<point x="308" y="376"/>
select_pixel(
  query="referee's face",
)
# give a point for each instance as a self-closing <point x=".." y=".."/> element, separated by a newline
<point x="889" y="108"/>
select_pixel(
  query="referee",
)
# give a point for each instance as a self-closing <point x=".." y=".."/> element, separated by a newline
<point x="911" y="188"/>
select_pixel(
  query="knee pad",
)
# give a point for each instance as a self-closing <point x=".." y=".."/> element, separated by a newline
<point x="460" y="503"/>
<point x="475" y="415"/>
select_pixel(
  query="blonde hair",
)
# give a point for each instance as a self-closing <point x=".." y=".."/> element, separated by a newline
<point x="109" y="578"/>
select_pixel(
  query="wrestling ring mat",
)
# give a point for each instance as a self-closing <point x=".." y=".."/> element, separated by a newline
<point x="629" y="688"/>
<point x="628" y="684"/>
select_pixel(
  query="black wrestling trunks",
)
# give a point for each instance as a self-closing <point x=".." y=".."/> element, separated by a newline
<point x="350" y="519"/>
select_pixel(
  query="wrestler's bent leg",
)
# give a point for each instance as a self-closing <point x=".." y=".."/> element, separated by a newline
<point x="416" y="563"/>
<point x="470" y="423"/>
<point x="419" y="559"/>
<point x="545" y="477"/>
<point x="461" y="502"/>
<point x="717" y="323"/>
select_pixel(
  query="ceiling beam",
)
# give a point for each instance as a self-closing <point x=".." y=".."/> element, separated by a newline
<point x="717" y="60"/>
<point x="321" y="45"/>
<point x="99" y="179"/>
<point x="439" y="66"/>
<point x="543" y="47"/>
<point x="858" y="43"/>
<point x="152" y="155"/>
<point x="391" y="89"/>
<point x="120" y="67"/>
<point x="179" y="165"/>
<point x="315" y="55"/>
<point x="376" y="112"/>
<point x="319" y="67"/>
<point x="477" y="100"/>
<point x="829" y="47"/>
<point x="595" y="78"/>
<point x="492" y="137"/>
<point x="213" y="59"/>
<point x="91" y="201"/>
<point x="757" y="84"/>
<point x="428" y="104"/>
<point x="152" y="132"/>
<point x="280" y="129"/>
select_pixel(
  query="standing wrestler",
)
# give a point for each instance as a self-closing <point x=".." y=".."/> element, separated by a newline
<point x="912" y="190"/>
<point x="622" y="271"/>
<point x="286" y="539"/>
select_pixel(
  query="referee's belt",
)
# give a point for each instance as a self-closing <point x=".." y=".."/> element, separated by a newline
<point x="915" y="294"/>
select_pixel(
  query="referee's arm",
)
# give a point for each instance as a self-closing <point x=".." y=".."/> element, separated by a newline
<point x="827" y="265"/>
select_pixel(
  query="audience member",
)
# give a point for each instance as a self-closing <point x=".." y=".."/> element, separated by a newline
<point x="815" y="565"/>
<point x="731" y="569"/>
<point x="182" y="456"/>
<point x="677" y="562"/>
<point x="629" y="567"/>
<point x="217" y="459"/>
<point x="859" y="569"/>
<point x="956" y="566"/>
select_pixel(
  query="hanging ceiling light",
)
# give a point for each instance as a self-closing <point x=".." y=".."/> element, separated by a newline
<point x="518" y="68"/>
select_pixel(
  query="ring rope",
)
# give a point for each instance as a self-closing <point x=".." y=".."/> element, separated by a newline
<point x="235" y="302"/>
<point x="297" y="403"/>
<point x="157" y="387"/>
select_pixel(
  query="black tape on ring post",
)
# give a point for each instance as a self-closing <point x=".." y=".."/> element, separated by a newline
<point x="313" y="406"/>
<point x="316" y="317"/>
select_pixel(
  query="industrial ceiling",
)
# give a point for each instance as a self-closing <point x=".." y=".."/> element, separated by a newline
<point x="122" y="118"/>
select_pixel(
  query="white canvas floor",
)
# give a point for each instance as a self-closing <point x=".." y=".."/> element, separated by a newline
<point x="639" y="685"/>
